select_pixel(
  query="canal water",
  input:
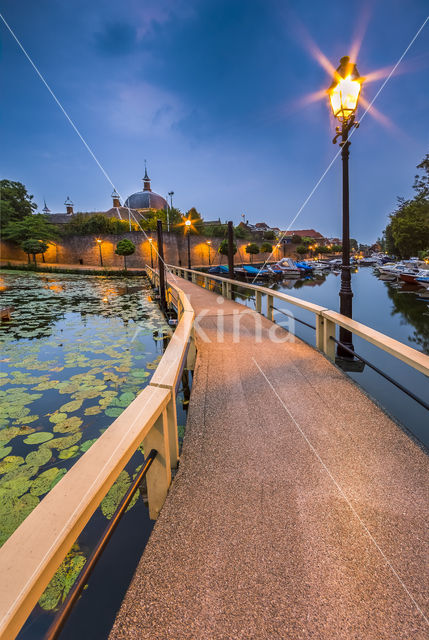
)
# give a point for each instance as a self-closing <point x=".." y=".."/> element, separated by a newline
<point x="398" y="310"/>
<point x="76" y="352"/>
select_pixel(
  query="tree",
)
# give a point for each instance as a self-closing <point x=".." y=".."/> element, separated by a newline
<point x="36" y="226"/>
<point x="15" y="202"/>
<point x="252" y="249"/>
<point x="30" y="245"/>
<point x="296" y="239"/>
<point x="323" y="249"/>
<point x="302" y="249"/>
<point x="266" y="247"/>
<point x="197" y="221"/>
<point x="84" y="225"/>
<point x="125" y="248"/>
<point x="223" y="248"/>
<point x="353" y="244"/>
<point x="269" y="235"/>
<point x="407" y="233"/>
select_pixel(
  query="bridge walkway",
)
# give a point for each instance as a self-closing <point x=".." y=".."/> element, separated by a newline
<point x="299" y="507"/>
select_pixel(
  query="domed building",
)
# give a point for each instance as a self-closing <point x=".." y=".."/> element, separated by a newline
<point x="147" y="199"/>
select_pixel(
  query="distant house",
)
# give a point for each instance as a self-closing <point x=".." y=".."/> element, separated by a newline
<point x="305" y="233"/>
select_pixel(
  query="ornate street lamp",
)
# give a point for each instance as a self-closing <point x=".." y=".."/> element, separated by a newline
<point x="209" y="242"/>
<point x="188" y="233"/>
<point x="344" y="96"/>
<point x="99" y="248"/>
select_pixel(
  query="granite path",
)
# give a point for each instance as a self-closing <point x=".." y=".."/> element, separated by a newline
<point x="299" y="509"/>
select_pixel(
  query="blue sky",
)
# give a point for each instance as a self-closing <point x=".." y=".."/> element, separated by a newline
<point x="209" y="91"/>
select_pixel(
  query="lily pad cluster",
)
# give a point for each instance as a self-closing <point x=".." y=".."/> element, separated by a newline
<point x="75" y="354"/>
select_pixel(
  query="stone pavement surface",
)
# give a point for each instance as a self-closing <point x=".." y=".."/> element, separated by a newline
<point x="299" y="509"/>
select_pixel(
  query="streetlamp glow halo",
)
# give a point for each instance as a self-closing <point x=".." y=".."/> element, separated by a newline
<point x="345" y="89"/>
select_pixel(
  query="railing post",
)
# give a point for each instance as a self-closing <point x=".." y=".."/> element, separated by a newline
<point x="194" y="278"/>
<point x="270" y="307"/>
<point x="328" y="344"/>
<point x="258" y="301"/>
<point x="158" y="478"/>
<point x="319" y="332"/>
<point x="206" y="282"/>
<point x="223" y="289"/>
<point x="228" y="290"/>
<point x="192" y="352"/>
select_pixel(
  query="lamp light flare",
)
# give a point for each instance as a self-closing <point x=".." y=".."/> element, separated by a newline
<point x="344" y="97"/>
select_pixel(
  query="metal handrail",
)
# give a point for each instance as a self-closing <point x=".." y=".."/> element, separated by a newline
<point x="307" y="324"/>
<point x="397" y="384"/>
<point x="68" y="604"/>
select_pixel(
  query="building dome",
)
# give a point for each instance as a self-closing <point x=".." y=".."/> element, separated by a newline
<point x="146" y="199"/>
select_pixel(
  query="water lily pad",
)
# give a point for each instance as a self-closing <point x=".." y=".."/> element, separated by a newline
<point x="57" y="417"/>
<point x="140" y="373"/>
<point x="9" y="463"/>
<point x="87" y="444"/>
<point x="41" y="456"/>
<point x="92" y="411"/>
<point x="13" y="511"/>
<point x="63" y="580"/>
<point x="63" y="443"/>
<point x="115" y="494"/>
<point x="114" y="412"/>
<point x="38" y="437"/>
<point x="68" y="426"/>
<point x="43" y="483"/>
<point x="4" y="451"/>
<point x="6" y="435"/>
<point x="69" y="407"/>
<point x="65" y="454"/>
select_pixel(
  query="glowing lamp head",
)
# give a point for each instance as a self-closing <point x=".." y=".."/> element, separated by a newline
<point x="150" y="240"/>
<point x="209" y="242"/>
<point x="188" y="223"/>
<point x="344" y="90"/>
<point x="99" y="241"/>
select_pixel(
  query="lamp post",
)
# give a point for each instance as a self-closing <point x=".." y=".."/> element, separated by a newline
<point x="188" y="233"/>
<point x="209" y="244"/>
<point x="344" y="95"/>
<point x="151" y="252"/>
<point x="99" y="248"/>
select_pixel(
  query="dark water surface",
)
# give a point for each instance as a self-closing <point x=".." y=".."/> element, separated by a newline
<point x="76" y="352"/>
<point x="398" y="310"/>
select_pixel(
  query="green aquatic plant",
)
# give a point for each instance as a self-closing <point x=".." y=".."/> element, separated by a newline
<point x="39" y="457"/>
<point x="45" y="481"/>
<point x="13" y="511"/>
<point x="71" y="406"/>
<point x="69" y="425"/>
<point x="87" y="444"/>
<point x="9" y="463"/>
<point x="63" y="580"/>
<point x="63" y="443"/>
<point x="38" y="437"/>
<point x="115" y="494"/>
<point x="71" y="452"/>
<point x="4" y="451"/>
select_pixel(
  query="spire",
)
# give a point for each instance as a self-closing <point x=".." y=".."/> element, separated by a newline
<point x="69" y="205"/>
<point x="45" y="208"/>
<point x="146" y="179"/>
<point x="116" y="200"/>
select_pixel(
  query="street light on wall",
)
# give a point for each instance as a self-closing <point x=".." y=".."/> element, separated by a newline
<point x="209" y="242"/>
<point x="188" y="233"/>
<point x="99" y="248"/>
<point x="344" y="97"/>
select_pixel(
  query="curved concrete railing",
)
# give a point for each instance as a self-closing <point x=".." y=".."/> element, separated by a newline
<point x="31" y="556"/>
<point x="326" y="320"/>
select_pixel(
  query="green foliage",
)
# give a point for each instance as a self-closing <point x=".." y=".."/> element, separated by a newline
<point x="269" y="235"/>
<point x="63" y="580"/>
<point x="15" y="202"/>
<point x="34" y="247"/>
<point x="125" y="248"/>
<point x="223" y="248"/>
<point x="216" y="231"/>
<point x="84" y="225"/>
<point x="252" y="248"/>
<point x="407" y="233"/>
<point x="336" y="248"/>
<point x="296" y="239"/>
<point x="302" y="249"/>
<point x="241" y="232"/>
<point x="36" y="226"/>
<point x="323" y="249"/>
<point x="354" y="244"/>
<point x="266" y="247"/>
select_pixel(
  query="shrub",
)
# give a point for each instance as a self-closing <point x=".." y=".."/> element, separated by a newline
<point x="266" y="247"/>
<point x="125" y="248"/>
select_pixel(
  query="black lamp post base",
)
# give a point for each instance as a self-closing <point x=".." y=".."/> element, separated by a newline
<point x="353" y="365"/>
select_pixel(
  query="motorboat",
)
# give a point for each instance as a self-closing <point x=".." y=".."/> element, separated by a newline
<point x="254" y="272"/>
<point x="289" y="268"/>
<point x="423" y="281"/>
<point x="305" y="267"/>
<point x="410" y="275"/>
